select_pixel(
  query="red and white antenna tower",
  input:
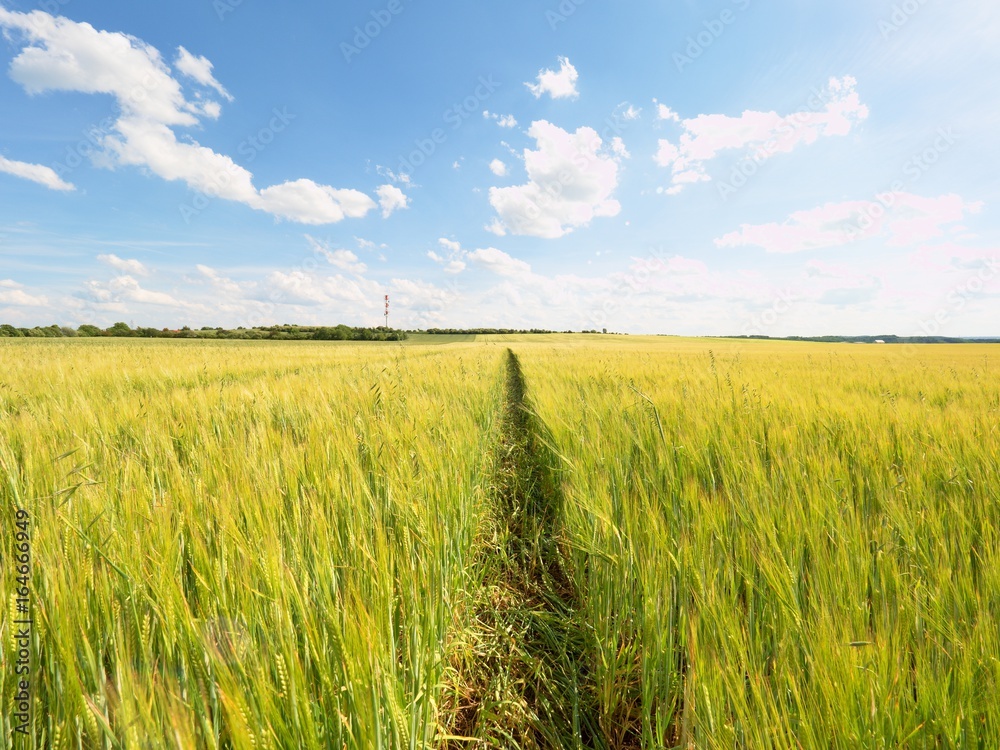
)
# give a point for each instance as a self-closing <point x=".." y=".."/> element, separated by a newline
<point x="387" y="311"/>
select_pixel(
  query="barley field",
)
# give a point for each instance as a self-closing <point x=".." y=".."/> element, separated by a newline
<point x="504" y="542"/>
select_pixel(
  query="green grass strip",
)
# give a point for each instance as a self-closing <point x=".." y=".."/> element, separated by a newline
<point x="522" y="673"/>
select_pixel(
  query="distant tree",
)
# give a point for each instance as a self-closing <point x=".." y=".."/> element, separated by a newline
<point x="120" y="330"/>
<point x="89" y="331"/>
<point x="8" y="331"/>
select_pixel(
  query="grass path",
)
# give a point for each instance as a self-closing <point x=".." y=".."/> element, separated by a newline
<point x="523" y="674"/>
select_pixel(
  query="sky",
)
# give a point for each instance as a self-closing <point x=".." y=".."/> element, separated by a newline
<point x="644" y="166"/>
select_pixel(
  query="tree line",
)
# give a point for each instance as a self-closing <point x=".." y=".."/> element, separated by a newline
<point x="268" y="333"/>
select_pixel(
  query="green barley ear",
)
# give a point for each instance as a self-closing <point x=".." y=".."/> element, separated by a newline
<point x="282" y="675"/>
<point x="147" y="624"/>
<point x="93" y="731"/>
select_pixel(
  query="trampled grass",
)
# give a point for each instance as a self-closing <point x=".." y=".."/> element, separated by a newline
<point x="676" y="544"/>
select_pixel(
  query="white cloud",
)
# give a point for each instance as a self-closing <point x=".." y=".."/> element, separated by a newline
<point x="504" y="121"/>
<point x="307" y="202"/>
<point x="347" y="261"/>
<point x="951" y="256"/>
<point x="125" y="266"/>
<point x="500" y="263"/>
<point x="571" y="181"/>
<point x="199" y="69"/>
<point x="667" y="153"/>
<point x="402" y="178"/>
<point x="498" y="168"/>
<point x="301" y="288"/>
<point x="219" y="281"/>
<point x="126" y="289"/>
<point x="765" y="134"/>
<point x="631" y="113"/>
<point x="663" y="112"/>
<point x="20" y="298"/>
<point x="560" y="84"/>
<point x="619" y="149"/>
<point x="453" y="263"/>
<point x="391" y="199"/>
<point x="35" y="173"/>
<point x="63" y="55"/>
<point x="426" y="304"/>
<point x="904" y="219"/>
<point x="342" y="259"/>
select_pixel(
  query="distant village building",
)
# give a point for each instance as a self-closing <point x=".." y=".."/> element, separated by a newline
<point x="879" y="341"/>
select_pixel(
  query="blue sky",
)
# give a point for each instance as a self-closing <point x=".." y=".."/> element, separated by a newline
<point x="651" y="167"/>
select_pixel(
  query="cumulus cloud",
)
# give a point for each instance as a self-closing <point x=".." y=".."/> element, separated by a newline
<point x="129" y="266"/>
<point x="904" y="219"/>
<point x="618" y="148"/>
<point x="453" y="259"/>
<point x="301" y="288"/>
<point x="218" y="281"/>
<point x="62" y="55"/>
<point x="763" y="134"/>
<point x="307" y="202"/>
<point x="504" y="121"/>
<point x="498" y="168"/>
<point x="841" y="286"/>
<point x="391" y="199"/>
<point x="347" y="261"/>
<point x="951" y="256"/>
<point x="199" y="69"/>
<point x="663" y="112"/>
<point x="630" y="113"/>
<point x="500" y="263"/>
<point x="571" y="180"/>
<point x="559" y="84"/>
<point x="125" y="288"/>
<point x="339" y="257"/>
<point x="12" y="293"/>
<point x="35" y="173"/>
